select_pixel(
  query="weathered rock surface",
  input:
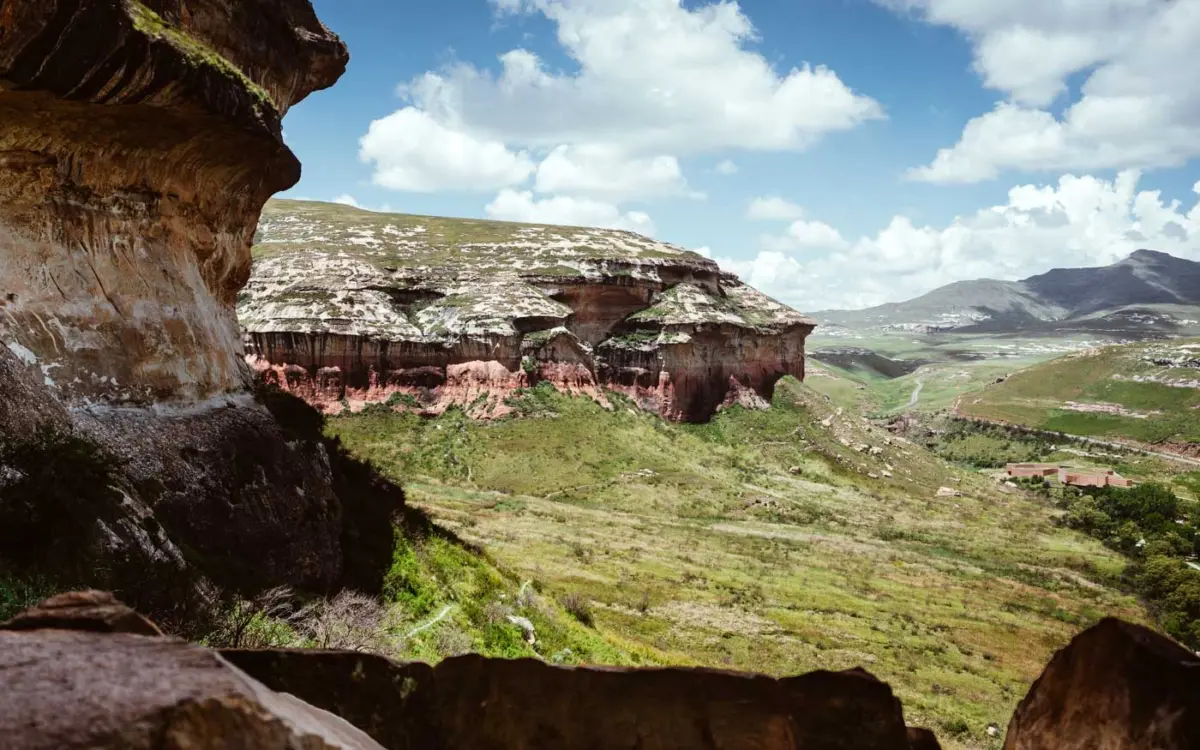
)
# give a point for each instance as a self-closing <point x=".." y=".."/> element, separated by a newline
<point x="472" y="701"/>
<point x="356" y="307"/>
<point x="1116" y="686"/>
<point x="81" y="670"/>
<point x="89" y="675"/>
<point x="95" y="611"/>
<point x="138" y="144"/>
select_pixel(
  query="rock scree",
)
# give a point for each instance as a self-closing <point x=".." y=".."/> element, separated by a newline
<point x="347" y="307"/>
<point x="138" y="144"/>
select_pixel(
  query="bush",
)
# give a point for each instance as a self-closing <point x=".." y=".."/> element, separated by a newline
<point x="578" y="607"/>
<point x="1148" y="524"/>
<point x="350" y="621"/>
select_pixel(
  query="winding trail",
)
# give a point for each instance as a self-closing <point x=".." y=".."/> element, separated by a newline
<point x="441" y="616"/>
<point x="916" y="395"/>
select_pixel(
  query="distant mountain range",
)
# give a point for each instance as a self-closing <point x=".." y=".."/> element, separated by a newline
<point x="1147" y="292"/>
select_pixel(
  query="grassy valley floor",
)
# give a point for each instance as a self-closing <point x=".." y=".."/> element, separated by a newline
<point x="778" y="541"/>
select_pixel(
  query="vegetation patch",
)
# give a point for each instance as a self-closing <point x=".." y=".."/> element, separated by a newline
<point x="757" y="541"/>
<point x="196" y="51"/>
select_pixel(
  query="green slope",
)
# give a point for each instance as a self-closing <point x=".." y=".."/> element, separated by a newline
<point x="760" y="541"/>
<point x="1113" y="392"/>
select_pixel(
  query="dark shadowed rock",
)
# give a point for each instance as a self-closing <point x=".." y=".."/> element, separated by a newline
<point x="1116" y="686"/>
<point x="75" y="675"/>
<point x="394" y="703"/>
<point x="922" y="739"/>
<point x="475" y="702"/>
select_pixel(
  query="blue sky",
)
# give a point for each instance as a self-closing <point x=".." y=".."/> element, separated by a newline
<point x="836" y="153"/>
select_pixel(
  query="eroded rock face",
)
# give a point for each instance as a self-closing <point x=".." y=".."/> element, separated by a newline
<point x="138" y="144"/>
<point x="1116" y="686"/>
<point x="349" y="307"/>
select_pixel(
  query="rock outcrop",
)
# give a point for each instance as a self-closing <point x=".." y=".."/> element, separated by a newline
<point x="82" y="670"/>
<point x="472" y="701"/>
<point x="1116" y="686"/>
<point x="138" y="144"/>
<point x="347" y="307"/>
<point x="80" y="679"/>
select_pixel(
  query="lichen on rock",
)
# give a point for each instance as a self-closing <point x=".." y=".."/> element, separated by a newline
<point x="346" y="306"/>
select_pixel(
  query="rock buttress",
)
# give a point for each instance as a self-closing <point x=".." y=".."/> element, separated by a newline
<point x="138" y="144"/>
<point x="348" y="307"/>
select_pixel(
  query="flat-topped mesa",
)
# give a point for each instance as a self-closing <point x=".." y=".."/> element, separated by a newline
<point x="138" y="142"/>
<point x="349" y="307"/>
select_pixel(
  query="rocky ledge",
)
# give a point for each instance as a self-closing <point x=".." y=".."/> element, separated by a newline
<point x="347" y="307"/>
<point x="83" y="670"/>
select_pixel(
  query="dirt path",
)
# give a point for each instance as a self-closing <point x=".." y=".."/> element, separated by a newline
<point x="916" y="395"/>
<point x="441" y="616"/>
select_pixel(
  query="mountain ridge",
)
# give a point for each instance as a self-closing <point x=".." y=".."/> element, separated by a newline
<point x="1060" y="297"/>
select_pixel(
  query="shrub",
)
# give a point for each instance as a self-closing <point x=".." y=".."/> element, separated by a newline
<point x="452" y="640"/>
<point x="350" y="621"/>
<point x="578" y="607"/>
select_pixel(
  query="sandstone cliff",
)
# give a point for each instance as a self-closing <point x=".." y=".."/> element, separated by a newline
<point x="347" y="307"/>
<point x="138" y="143"/>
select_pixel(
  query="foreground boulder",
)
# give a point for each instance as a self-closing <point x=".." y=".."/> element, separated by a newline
<point x="1116" y="686"/>
<point x="138" y="144"/>
<point x="422" y="313"/>
<point x="475" y="702"/>
<point x="82" y="672"/>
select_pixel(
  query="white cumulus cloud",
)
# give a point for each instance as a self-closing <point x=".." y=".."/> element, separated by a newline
<point x="1079" y="221"/>
<point x="412" y="151"/>
<point x="606" y="172"/>
<point x="652" y="75"/>
<point x="802" y="235"/>
<point x="1138" y="105"/>
<point x="772" y="208"/>
<point x="726" y="167"/>
<point x="514" y="205"/>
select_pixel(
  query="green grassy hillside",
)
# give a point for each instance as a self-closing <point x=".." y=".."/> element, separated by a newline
<point x="778" y="541"/>
<point x="1113" y="392"/>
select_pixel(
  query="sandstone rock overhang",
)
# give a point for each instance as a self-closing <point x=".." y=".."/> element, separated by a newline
<point x="138" y="144"/>
<point x="347" y="307"/>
